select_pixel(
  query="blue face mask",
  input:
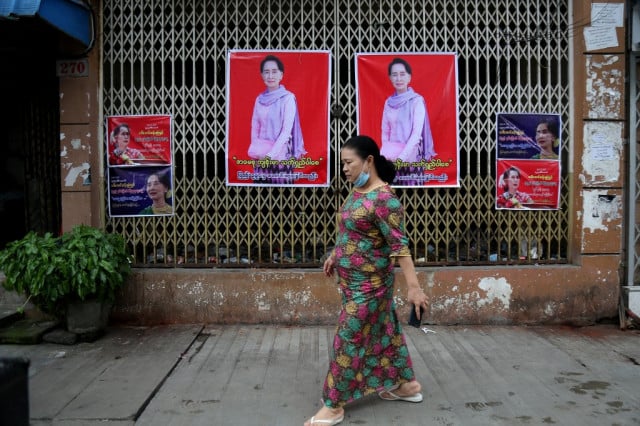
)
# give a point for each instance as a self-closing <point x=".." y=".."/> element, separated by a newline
<point x="362" y="179"/>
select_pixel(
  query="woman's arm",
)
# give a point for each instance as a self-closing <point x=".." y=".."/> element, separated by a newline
<point x="415" y="295"/>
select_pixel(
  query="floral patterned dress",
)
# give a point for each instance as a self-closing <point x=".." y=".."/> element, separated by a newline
<point x="369" y="350"/>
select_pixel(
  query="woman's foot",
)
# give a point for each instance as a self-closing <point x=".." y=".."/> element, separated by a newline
<point x="409" y="391"/>
<point x="326" y="416"/>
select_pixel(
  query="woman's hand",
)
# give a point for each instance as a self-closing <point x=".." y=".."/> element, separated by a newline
<point x="328" y="265"/>
<point x="418" y="298"/>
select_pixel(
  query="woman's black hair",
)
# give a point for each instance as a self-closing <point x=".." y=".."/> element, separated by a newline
<point x="364" y="146"/>
<point x="116" y="130"/>
<point x="401" y="62"/>
<point x="273" y="58"/>
<point x="552" y="126"/>
<point x="163" y="178"/>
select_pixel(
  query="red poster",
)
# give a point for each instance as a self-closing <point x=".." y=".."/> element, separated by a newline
<point x="408" y="103"/>
<point x="527" y="184"/>
<point x="139" y="139"/>
<point x="278" y="118"/>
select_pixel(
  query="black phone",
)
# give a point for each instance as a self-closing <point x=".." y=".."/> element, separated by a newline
<point x="413" y="318"/>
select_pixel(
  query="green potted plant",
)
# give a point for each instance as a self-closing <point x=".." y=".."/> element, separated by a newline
<point x="98" y="264"/>
<point x="34" y="266"/>
<point x="80" y="271"/>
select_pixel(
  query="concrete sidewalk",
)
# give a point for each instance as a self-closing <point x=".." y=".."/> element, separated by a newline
<point x="267" y="375"/>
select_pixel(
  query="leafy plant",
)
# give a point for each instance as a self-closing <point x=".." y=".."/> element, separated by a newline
<point x="53" y="271"/>
<point x="98" y="262"/>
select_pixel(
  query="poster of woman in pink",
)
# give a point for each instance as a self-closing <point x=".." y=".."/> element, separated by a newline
<point x="278" y="118"/>
<point x="407" y="102"/>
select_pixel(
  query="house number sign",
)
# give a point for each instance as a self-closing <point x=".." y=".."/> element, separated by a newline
<point x="72" y="68"/>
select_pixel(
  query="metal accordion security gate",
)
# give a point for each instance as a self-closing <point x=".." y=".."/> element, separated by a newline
<point x="168" y="57"/>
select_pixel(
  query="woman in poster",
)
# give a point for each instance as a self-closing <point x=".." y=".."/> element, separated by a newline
<point x="547" y="139"/>
<point x="158" y="187"/>
<point x="511" y="198"/>
<point x="122" y="154"/>
<point x="406" y="132"/>
<point x="275" y="126"/>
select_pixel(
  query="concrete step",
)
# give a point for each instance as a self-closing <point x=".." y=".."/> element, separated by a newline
<point x="9" y="314"/>
<point x="26" y="331"/>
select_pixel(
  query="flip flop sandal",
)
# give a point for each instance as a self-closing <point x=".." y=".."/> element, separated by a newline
<point x="393" y="397"/>
<point x="330" y="422"/>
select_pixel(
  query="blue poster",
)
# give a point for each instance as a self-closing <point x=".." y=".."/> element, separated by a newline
<point x="140" y="191"/>
<point x="528" y="136"/>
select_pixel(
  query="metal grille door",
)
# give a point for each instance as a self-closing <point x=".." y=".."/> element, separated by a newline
<point x="168" y="56"/>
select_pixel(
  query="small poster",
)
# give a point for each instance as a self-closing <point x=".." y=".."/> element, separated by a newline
<point x="408" y="103"/>
<point x="528" y="161"/>
<point x="139" y="139"/>
<point x="278" y="117"/>
<point x="140" y="165"/>
<point x="141" y="191"/>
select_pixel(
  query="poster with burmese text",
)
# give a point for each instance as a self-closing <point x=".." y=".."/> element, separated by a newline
<point x="140" y="165"/>
<point x="528" y="162"/>
<point x="408" y="103"/>
<point x="278" y="117"/>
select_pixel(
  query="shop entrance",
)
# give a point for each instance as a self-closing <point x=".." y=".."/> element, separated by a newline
<point x="29" y="131"/>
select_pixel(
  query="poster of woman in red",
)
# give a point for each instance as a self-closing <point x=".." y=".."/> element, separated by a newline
<point x="139" y="139"/>
<point x="278" y="117"/>
<point x="408" y="103"/>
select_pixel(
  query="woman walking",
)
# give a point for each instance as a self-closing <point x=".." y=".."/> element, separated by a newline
<point x="369" y="350"/>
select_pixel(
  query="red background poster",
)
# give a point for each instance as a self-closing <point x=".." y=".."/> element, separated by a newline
<point x="307" y="76"/>
<point x="434" y="76"/>
<point x="539" y="179"/>
<point x="150" y="135"/>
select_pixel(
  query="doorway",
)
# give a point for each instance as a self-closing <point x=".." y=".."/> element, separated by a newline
<point x="29" y="131"/>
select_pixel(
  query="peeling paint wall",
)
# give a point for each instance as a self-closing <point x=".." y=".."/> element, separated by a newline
<point x="75" y="154"/>
<point x="605" y="76"/>
<point x="603" y="152"/>
<point x="602" y="220"/>
<point x="542" y="294"/>
<point x="599" y="160"/>
<point x="601" y="210"/>
<point x="80" y="156"/>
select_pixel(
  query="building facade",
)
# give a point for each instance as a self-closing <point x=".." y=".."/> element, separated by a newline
<point x="251" y="254"/>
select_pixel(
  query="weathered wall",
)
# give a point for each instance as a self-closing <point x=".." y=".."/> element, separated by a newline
<point x="80" y="147"/>
<point x="459" y="295"/>
<point x="598" y="154"/>
<point x="582" y="292"/>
